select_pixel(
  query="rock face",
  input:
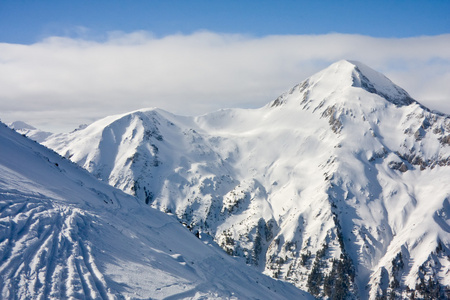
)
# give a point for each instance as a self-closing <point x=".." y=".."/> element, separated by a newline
<point x="339" y="186"/>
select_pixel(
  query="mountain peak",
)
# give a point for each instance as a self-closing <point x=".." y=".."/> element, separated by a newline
<point x="346" y="74"/>
<point x="364" y="77"/>
<point x="376" y="83"/>
<point x="30" y="131"/>
<point x="20" y="125"/>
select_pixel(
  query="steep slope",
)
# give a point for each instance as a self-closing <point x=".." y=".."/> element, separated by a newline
<point x="30" y="131"/>
<point x="337" y="186"/>
<point x="64" y="234"/>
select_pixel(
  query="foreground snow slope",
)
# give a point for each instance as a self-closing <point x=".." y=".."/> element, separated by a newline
<point x="339" y="185"/>
<point x="64" y="234"/>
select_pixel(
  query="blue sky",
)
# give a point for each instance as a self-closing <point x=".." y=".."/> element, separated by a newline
<point x="28" y="21"/>
<point x="65" y="63"/>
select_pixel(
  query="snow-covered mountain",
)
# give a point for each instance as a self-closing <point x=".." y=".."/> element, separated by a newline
<point x="66" y="235"/>
<point x="339" y="186"/>
<point x="30" y="131"/>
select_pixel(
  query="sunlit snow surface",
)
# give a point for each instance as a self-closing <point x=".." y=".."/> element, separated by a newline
<point x="64" y="234"/>
<point x="345" y="164"/>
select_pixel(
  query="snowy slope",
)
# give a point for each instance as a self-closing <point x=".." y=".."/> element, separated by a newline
<point x="30" y="131"/>
<point x="64" y="234"/>
<point x="338" y="186"/>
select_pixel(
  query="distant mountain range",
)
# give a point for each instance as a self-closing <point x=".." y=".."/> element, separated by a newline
<point x="339" y="186"/>
<point x="30" y="131"/>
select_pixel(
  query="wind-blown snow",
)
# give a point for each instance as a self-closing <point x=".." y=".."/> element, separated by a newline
<point x="64" y="234"/>
<point x="337" y="186"/>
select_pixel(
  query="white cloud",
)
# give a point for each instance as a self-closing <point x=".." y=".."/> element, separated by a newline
<point x="61" y="82"/>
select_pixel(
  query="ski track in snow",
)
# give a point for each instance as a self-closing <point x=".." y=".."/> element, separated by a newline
<point x="45" y="254"/>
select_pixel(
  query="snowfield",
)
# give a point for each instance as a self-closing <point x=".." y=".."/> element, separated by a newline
<point x="339" y="186"/>
<point x="66" y="235"/>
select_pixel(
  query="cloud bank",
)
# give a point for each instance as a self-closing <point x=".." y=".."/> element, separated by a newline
<point x="60" y="83"/>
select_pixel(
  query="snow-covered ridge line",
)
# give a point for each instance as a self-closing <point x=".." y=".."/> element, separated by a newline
<point x="324" y="187"/>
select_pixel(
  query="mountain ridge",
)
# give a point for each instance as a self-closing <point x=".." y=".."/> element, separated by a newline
<point x="67" y="235"/>
<point x="321" y="187"/>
